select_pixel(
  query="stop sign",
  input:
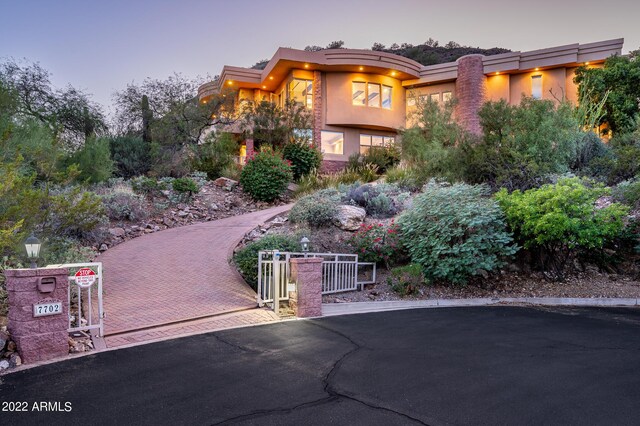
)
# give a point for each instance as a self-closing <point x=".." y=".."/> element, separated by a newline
<point x="85" y="277"/>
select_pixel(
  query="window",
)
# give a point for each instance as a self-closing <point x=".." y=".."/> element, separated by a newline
<point x="435" y="97"/>
<point x="301" y="92"/>
<point x="386" y="97"/>
<point x="301" y="135"/>
<point x="331" y="142"/>
<point x="359" y="94"/>
<point x="373" y="96"/>
<point x="411" y="101"/>
<point x="536" y="86"/>
<point x="446" y="97"/>
<point x="368" y="142"/>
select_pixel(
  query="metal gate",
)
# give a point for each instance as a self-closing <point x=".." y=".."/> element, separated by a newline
<point x="340" y="272"/>
<point x="86" y="311"/>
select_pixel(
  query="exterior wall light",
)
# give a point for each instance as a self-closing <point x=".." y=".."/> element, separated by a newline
<point x="393" y="73"/>
<point x="361" y="68"/>
<point x="304" y="243"/>
<point x="32" y="244"/>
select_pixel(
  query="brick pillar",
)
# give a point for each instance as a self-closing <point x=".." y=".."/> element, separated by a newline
<point x="317" y="107"/>
<point x="470" y="91"/>
<point x="307" y="274"/>
<point x="249" y="144"/>
<point x="38" y="337"/>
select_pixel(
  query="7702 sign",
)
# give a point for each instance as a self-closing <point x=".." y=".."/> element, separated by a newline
<point x="47" y="308"/>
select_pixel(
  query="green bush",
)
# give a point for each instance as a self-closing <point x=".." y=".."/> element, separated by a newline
<point x="558" y="219"/>
<point x="185" y="186"/>
<point x="405" y="280"/>
<point x="125" y="206"/>
<point x="130" y="156"/>
<point x="215" y="155"/>
<point x="376" y="243"/>
<point x="403" y="176"/>
<point x="628" y="192"/>
<point x="589" y="151"/>
<point x="316" y="209"/>
<point x="147" y="186"/>
<point x="455" y="232"/>
<point x="246" y="259"/>
<point x="94" y="161"/>
<point x="303" y="157"/>
<point x="383" y="157"/>
<point x="265" y="176"/>
<point x="56" y="251"/>
<point x="377" y="200"/>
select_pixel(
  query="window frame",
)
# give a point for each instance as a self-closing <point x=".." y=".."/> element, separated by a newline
<point x="365" y="98"/>
<point x="321" y="142"/>
<point x="366" y="103"/>
<point x="386" y="141"/>
<point x="536" y="78"/>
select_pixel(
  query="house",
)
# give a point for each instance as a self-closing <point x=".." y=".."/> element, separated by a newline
<point x="360" y="98"/>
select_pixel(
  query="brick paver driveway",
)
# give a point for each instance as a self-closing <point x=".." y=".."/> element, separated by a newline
<point x="178" y="274"/>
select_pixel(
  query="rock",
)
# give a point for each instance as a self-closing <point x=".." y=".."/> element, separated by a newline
<point x="349" y="218"/>
<point x="4" y="364"/>
<point x="484" y="274"/>
<point x="592" y="270"/>
<point x="577" y="265"/>
<point x="183" y="213"/>
<point x="226" y="183"/>
<point x="292" y="187"/>
<point x="168" y="222"/>
<point x="11" y="346"/>
<point x="117" y="232"/>
<point x="4" y="337"/>
<point x="15" y="360"/>
<point x="213" y="207"/>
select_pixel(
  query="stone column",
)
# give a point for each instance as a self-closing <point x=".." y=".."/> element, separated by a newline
<point x="470" y="91"/>
<point x="307" y="274"/>
<point x="249" y="145"/>
<point x="317" y="107"/>
<point x="38" y="338"/>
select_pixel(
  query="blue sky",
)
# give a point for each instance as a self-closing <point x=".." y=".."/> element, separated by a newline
<point x="100" y="46"/>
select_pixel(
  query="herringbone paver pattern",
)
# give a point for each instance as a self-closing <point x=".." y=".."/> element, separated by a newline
<point x="221" y="322"/>
<point x="178" y="274"/>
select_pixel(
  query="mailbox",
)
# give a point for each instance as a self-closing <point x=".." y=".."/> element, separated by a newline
<point x="46" y="284"/>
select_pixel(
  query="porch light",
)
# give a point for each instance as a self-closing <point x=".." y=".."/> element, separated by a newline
<point x="264" y="87"/>
<point x="32" y="244"/>
<point x="537" y="69"/>
<point x="361" y="68"/>
<point x="393" y="73"/>
<point x="230" y="83"/>
<point x="304" y="243"/>
<point x="306" y="65"/>
<point x="586" y="63"/>
<point x="270" y="77"/>
<point x="497" y="72"/>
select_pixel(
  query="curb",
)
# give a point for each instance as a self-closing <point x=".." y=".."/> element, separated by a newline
<point x="332" y="309"/>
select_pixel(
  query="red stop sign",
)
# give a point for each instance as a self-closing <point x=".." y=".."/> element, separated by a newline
<point x="85" y="277"/>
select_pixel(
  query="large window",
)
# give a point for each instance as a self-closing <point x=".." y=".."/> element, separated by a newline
<point x="536" y="86"/>
<point x="332" y="142"/>
<point x="368" y="142"/>
<point x="371" y="94"/>
<point x="359" y="93"/>
<point x="446" y="97"/>
<point x="301" y="92"/>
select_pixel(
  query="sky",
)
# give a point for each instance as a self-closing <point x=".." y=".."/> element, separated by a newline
<point x="100" y="46"/>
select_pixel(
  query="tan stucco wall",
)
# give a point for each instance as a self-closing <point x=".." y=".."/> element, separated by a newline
<point x="498" y="88"/>
<point x="339" y="109"/>
<point x="553" y="79"/>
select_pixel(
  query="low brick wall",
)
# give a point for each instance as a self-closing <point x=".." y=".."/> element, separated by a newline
<point x="38" y="338"/>
<point x="332" y="166"/>
<point x="307" y="274"/>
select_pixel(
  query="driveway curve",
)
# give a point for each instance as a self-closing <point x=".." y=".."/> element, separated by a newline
<point x="178" y="274"/>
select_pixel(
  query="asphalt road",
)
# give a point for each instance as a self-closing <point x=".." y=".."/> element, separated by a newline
<point x="490" y="365"/>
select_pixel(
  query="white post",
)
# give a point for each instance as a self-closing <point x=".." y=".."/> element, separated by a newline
<point x="276" y="281"/>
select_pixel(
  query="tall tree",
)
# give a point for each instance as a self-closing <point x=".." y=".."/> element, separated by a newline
<point x="147" y="116"/>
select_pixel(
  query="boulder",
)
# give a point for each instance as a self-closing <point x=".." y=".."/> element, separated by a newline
<point x="225" y="183"/>
<point x="117" y="232"/>
<point x="4" y="364"/>
<point x="349" y="218"/>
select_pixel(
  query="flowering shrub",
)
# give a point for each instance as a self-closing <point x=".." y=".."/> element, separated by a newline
<point x="265" y="176"/>
<point x="376" y="243"/>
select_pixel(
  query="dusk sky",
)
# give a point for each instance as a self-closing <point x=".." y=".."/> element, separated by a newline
<point x="100" y="46"/>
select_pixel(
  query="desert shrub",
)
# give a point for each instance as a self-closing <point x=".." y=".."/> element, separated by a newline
<point x="215" y="154"/>
<point x="377" y="200"/>
<point x="589" y="150"/>
<point x="405" y="280"/>
<point x="265" y="176"/>
<point x="455" y="232"/>
<point x="57" y="251"/>
<point x="185" y="186"/>
<point x="94" y="160"/>
<point x="246" y="259"/>
<point x="147" y="186"/>
<point x="384" y="157"/>
<point x="559" y="219"/>
<point x="232" y="171"/>
<point x="303" y="157"/>
<point x="316" y="209"/>
<point x="121" y="205"/>
<point x="73" y="212"/>
<point x="376" y="243"/>
<point x="130" y="156"/>
<point x="627" y="192"/>
<point x="365" y="172"/>
<point x="403" y="176"/>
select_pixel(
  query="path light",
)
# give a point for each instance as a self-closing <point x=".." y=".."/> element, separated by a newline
<point x="33" y="249"/>
<point x="304" y="243"/>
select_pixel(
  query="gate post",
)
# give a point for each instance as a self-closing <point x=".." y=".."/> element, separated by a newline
<point x="39" y="312"/>
<point x="307" y="274"/>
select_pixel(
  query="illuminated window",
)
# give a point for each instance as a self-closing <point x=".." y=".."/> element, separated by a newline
<point x="373" y="95"/>
<point x="435" y="97"/>
<point x="331" y="142"/>
<point x="368" y="142"/>
<point x="536" y="86"/>
<point x="386" y="97"/>
<point x="359" y="93"/>
<point x="446" y="97"/>
<point x="301" y="92"/>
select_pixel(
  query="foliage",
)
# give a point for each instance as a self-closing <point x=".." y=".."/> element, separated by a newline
<point x="558" y="219"/>
<point x="121" y="205"/>
<point x="521" y="144"/>
<point x="376" y="243"/>
<point x="246" y="259"/>
<point x="185" y="186"/>
<point x="454" y="232"/>
<point x="617" y="85"/>
<point x="147" y="186"/>
<point x="316" y="209"/>
<point x="404" y="177"/>
<point x="56" y="251"/>
<point x="70" y="212"/>
<point x="265" y="176"/>
<point x="130" y="155"/>
<point x="405" y="280"/>
<point x="628" y="192"/>
<point x="94" y="161"/>
<point x="303" y="156"/>
<point x="232" y="171"/>
<point x="377" y="200"/>
<point x="590" y="152"/>
<point x="215" y="154"/>
<point x="269" y="124"/>
<point x="383" y="157"/>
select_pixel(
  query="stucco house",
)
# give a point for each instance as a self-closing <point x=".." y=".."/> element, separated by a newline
<point x="361" y="98"/>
